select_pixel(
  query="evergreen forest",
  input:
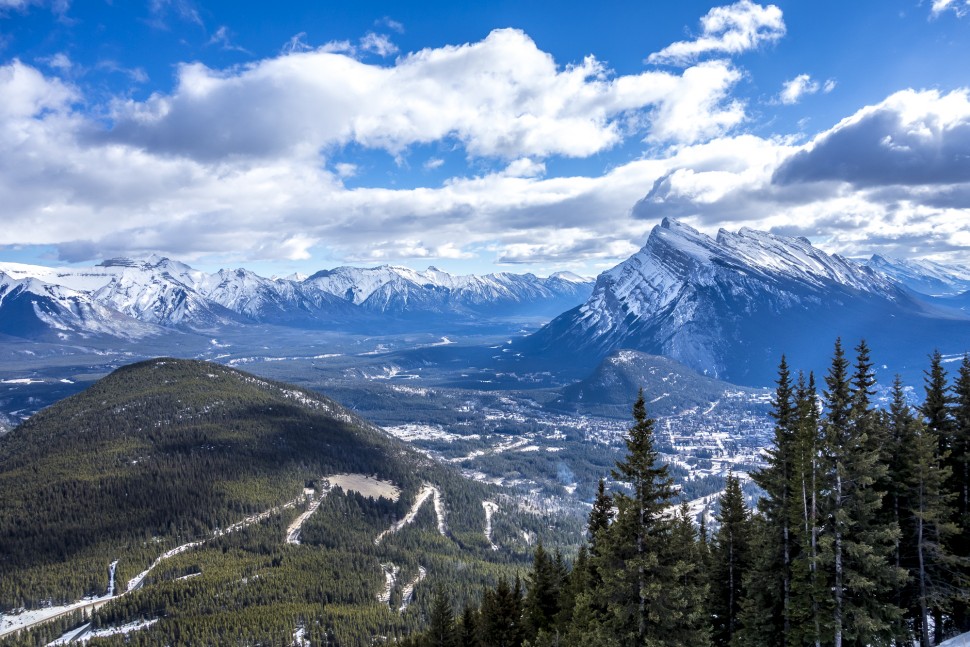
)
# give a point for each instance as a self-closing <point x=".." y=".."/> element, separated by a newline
<point x="862" y="536"/>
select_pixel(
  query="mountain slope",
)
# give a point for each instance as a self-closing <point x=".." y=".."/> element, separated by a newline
<point x="668" y="386"/>
<point x="729" y="307"/>
<point x="34" y="309"/>
<point x="166" y="293"/>
<point x="400" y="290"/>
<point x="923" y="276"/>
<point x="233" y="509"/>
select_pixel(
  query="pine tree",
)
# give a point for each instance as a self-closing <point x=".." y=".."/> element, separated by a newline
<point x="765" y="613"/>
<point x="932" y="527"/>
<point x="807" y="587"/>
<point x="730" y="557"/>
<point x="441" y="630"/>
<point x="938" y="418"/>
<point x="636" y="581"/>
<point x="959" y="463"/>
<point x="859" y="547"/>
<point x="601" y="516"/>
<point x="541" y="604"/>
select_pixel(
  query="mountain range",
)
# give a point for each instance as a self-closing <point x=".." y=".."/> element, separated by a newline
<point x="731" y="305"/>
<point x="726" y="306"/>
<point x="133" y="299"/>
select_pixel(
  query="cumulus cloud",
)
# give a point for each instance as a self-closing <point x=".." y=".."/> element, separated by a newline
<point x="793" y="90"/>
<point x="731" y="29"/>
<point x="179" y="176"/>
<point x="501" y="97"/>
<point x="911" y="138"/>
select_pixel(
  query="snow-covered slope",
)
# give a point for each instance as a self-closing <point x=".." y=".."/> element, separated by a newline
<point x="32" y="308"/>
<point x="399" y="289"/>
<point x="924" y="276"/>
<point x="730" y="306"/>
<point x="118" y="297"/>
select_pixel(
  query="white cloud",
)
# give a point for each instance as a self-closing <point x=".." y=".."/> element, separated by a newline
<point x="524" y="167"/>
<point x="59" y="7"/>
<point x="959" y="7"/>
<point x="345" y="169"/>
<point x="297" y="43"/>
<point x="165" y="185"/>
<point x="792" y="91"/>
<point x="379" y="44"/>
<point x="223" y="38"/>
<point x="60" y="61"/>
<point x="501" y="97"/>
<point x="391" y="24"/>
<point x="731" y="29"/>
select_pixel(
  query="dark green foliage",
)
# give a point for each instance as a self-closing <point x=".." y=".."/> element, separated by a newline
<point x="768" y="620"/>
<point x="729" y="562"/>
<point x="165" y="452"/>
<point x="959" y="483"/>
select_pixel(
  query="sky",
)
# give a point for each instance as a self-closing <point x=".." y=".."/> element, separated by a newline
<point x="477" y="137"/>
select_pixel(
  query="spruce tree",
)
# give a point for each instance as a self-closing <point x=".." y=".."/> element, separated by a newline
<point x="441" y="630"/>
<point x="932" y="527"/>
<point x="635" y="579"/>
<point x="859" y="547"/>
<point x="729" y="561"/>
<point x="807" y="587"/>
<point x="601" y="516"/>
<point x="541" y="604"/>
<point x="765" y="613"/>
<point x="902" y="426"/>
<point x="938" y="418"/>
<point x="959" y="463"/>
<point x="686" y="614"/>
<point x="468" y="628"/>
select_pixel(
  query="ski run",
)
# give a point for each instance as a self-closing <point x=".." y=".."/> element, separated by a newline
<point x="490" y="509"/>
<point x="408" y="594"/>
<point x="390" y="579"/>
<point x="439" y="509"/>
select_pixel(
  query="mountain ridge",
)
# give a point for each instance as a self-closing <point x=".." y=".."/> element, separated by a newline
<point x="730" y="306"/>
<point x="158" y="293"/>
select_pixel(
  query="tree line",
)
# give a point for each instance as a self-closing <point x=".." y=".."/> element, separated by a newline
<point x="860" y="538"/>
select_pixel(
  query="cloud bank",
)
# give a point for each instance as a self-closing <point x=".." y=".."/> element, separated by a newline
<point x="248" y="158"/>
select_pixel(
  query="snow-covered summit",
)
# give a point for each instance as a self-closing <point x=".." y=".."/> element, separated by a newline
<point x="927" y="277"/>
<point x="714" y="302"/>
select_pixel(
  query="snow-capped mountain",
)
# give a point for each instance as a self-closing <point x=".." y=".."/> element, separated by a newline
<point x="924" y="276"/>
<point x="33" y="308"/>
<point x="133" y="298"/>
<point x="398" y="290"/>
<point x="730" y="306"/>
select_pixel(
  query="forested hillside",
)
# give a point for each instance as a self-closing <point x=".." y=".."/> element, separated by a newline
<point x="212" y="502"/>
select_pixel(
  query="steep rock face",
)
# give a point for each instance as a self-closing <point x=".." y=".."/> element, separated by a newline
<point x="923" y="276"/>
<point x="729" y="307"/>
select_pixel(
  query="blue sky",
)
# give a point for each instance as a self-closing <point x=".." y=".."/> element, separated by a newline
<point x="517" y="136"/>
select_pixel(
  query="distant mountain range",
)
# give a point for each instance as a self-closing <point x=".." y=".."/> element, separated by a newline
<point x="727" y="306"/>
<point x="730" y="306"/>
<point x="133" y="299"/>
